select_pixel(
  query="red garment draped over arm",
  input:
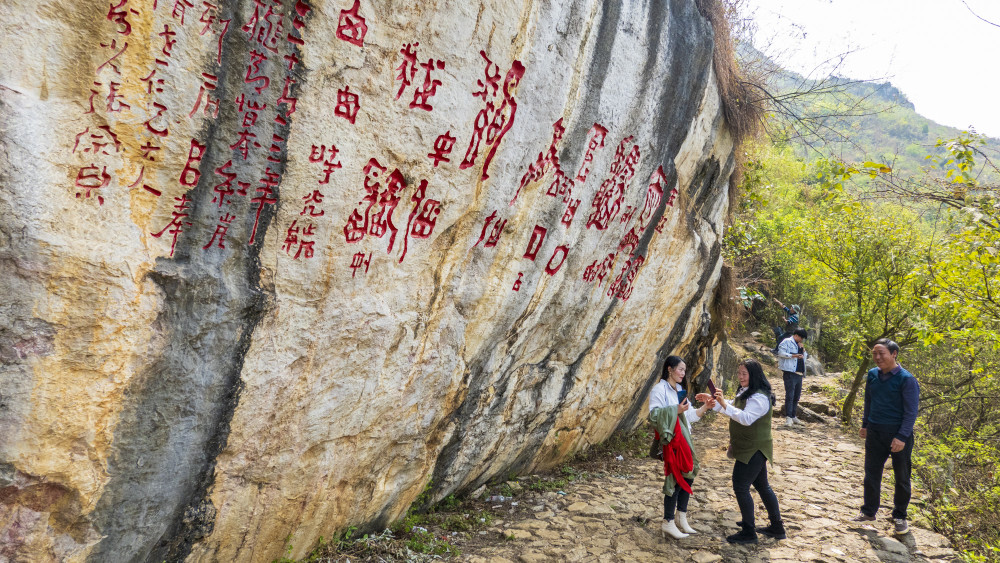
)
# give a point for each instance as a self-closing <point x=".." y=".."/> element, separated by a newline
<point x="677" y="458"/>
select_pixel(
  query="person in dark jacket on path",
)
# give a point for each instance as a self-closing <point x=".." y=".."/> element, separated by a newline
<point x="791" y="319"/>
<point x="892" y="396"/>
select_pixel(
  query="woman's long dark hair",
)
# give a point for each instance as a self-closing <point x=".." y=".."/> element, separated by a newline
<point x="758" y="382"/>
<point x="670" y="363"/>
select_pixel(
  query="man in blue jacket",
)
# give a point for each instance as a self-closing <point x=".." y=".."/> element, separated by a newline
<point x="892" y="395"/>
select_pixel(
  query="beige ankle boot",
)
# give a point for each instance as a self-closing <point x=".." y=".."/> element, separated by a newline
<point x="671" y="530"/>
<point x="682" y="523"/>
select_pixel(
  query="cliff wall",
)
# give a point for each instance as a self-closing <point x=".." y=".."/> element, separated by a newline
<point x="271" y="267"/>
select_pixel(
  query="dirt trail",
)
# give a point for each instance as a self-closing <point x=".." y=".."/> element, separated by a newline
<point x="817" y="477"/>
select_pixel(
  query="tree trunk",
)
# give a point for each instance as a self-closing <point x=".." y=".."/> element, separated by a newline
<point x="859" y="378"/>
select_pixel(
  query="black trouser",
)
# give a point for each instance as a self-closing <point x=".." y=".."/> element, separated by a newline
<point x="679" y="498"/>
<point x="754" y="473"/>
<point x="877" y="450"/>
<point x="793" y="390"/>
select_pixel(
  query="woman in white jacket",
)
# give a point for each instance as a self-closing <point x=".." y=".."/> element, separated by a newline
<point x="671" y="415"/>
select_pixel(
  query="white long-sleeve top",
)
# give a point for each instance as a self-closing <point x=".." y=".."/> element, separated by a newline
<point x="786" y="350"/>
<point x="665" y="395"/>
<point x="756" y="407"/>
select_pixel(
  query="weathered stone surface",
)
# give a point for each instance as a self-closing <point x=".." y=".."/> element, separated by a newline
<point x="200" y="355"/>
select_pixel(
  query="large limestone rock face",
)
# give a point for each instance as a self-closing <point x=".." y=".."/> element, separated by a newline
<point x="271" y="267"/>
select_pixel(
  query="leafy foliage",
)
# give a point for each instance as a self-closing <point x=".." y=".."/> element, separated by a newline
<point x="916" y="259"/>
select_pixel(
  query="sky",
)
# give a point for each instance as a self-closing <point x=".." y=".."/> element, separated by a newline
<point x="943" y="57"/>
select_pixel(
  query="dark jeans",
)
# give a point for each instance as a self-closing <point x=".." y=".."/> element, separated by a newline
<point x="754" y="473"/>
<point x="679" y="498"/>
<point x="877" y="444"/>
<point x="793" y="390"/>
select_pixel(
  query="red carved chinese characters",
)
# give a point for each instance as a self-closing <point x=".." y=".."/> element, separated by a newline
<point x="89" y="179"/>
<point x="318" y="154"/>
<point x="493" y="122"/>
<point x="570" y="212"/>
<point x="348" y="104"/>
<point x="265" y="25"/>
<point x="494" y="234"/>
<point x="352" y="27"/>
<point x="595" y="142"/>
<point x="621" y="288"/>
<point x="162" y="132"/>
<point x="535" y="242"/>
<point x="265" y="192"/>
<point x="627" y="214"/>
<point x="357" y="226"/>
<point x="301" y="9"/>
<point x="180" y="9"/>
<point x="608" y="199"/>
<point x="360" y="260"/>
<point x="654" y="194"/>
<point x="381" y="221"/>
<point x="219" y="236"/>
<point x="545" y="160"/>
<point x="224" y="189"/>
<point x="117" y="13"/>
<point x="597" y="271"/>
<point x="254" y="73"/>
<point x="442" y="148"/>
<point x="423" y="217"/>
<point x="224" y="192"/>
<point x="425" y="92"/>
<point x="111" y="62"/>
<point x="209" y="17"/>
<point x="97" y="141"/>
<point x="209" y="82"/>
<point x="296" y="238"/>
<point x="142" y="173"/>
<point x="191" y="174"/>
<point x="382" y="201"/>
<point x="557" y="259"/>
<point x="177" y="221"/>
<point x="408" y="68"/>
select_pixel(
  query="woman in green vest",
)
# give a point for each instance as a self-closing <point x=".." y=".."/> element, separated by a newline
<point x="750" y="445"/>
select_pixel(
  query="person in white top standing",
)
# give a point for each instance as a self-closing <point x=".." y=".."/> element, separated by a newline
<point x="791" y="362"/>
<point x="671" y="414"/>
<point x="751" y="447"/>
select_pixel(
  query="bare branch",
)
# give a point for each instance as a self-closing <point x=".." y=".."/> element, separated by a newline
<point x="977" y="15"/>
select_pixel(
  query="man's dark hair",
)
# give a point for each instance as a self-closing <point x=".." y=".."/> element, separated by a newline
<point x="670" y="363"/>
<point x="889" y="345"/>
<point x="801" y="332"/>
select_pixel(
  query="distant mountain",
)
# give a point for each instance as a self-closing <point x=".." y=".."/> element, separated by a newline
<point x="852" y="120"/>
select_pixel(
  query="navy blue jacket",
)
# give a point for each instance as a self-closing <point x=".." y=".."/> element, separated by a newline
<point x="891" y="404"/>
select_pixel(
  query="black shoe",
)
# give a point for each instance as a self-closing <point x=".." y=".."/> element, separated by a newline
<point x="862" y="517"/>
<point x="746" y="535"/>
<point x="773" y="531"/>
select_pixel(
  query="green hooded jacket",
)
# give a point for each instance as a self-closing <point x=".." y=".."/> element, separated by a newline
<point x="664" y="420"/>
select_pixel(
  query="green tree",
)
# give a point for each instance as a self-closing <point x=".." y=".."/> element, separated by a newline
<point x="863" y="261"/>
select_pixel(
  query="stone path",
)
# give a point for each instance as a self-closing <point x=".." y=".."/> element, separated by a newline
<point x="817" y="477"/>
